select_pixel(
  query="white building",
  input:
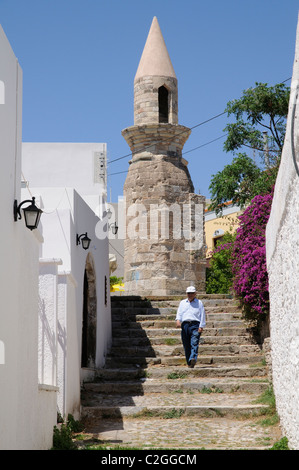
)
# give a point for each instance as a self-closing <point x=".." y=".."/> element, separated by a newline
<point x="55" y="318"/>
<point x="73" y="165"/>
<point x="282" y="244"/>
<point x="69" y="210"/>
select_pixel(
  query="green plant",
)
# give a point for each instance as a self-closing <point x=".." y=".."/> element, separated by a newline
<point x="115" y="280"/>
<point x="211" y="390"/>
<point x="62" y="438"/>
<point x="173" y="414"/>
<point x="219" y="277"/>
<point x="177" y="375"/>
<point x="268" y="398"/>
<point x="282" y="444"/>
<point x="74" y="425"/>
<point x="62" y="434"/>
<point x="170" y="341"/>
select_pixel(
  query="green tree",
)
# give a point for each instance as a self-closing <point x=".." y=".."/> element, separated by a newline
<point x="115" y="280"/>
<point x="260" y="123"/>
<point x="262" y="108"/>
<point x="219" y="276"/>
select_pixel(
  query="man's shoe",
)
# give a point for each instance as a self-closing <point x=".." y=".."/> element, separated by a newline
<point x="192" y="363"/>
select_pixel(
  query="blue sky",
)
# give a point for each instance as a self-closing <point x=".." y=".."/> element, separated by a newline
<point x="79" y="59"/>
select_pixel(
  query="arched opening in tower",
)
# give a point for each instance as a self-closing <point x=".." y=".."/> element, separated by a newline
<point x="163" y="104"/>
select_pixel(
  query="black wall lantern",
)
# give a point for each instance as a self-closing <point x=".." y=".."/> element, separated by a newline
<point x="84" y="239"/>
<point x="32" y="213"/>
<point x="113" y="226"/>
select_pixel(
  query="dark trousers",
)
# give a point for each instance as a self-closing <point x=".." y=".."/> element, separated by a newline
<point x="190" y="339"/>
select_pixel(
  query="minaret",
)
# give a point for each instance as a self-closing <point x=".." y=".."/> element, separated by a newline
<point x="164" y="244"/>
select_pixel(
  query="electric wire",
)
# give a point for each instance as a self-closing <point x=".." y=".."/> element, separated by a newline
<point x="191" y="128"/>
<point x="184" y="153"/>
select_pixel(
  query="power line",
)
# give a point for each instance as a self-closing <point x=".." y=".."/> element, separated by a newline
<point x="203" y="145"/>
<point x="197" y="125"/>
<point x="191" y="128"/>
<point x="117" y="173"/>
<point x="184" y="153"/>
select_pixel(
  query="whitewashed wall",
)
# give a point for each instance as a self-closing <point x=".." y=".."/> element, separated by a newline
<point x="69" y="353"/>
<point x="81" y="166"/>
<point x="282" y="246"/>
<point x="63" y="263"/>
<point x="41" y="274"/>
<point x="27" y="412"/>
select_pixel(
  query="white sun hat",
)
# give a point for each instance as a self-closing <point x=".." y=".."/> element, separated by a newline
<point x="190" y="289"/>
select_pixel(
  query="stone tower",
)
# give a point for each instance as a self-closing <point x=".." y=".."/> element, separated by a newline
<point x="164" y="243"/>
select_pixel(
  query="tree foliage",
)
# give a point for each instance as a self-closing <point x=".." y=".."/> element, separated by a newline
<point x="233" y="183"/>
<point x="262" y="109"/>
<point x="115" y="280"/>
<point x="219" y="274"/>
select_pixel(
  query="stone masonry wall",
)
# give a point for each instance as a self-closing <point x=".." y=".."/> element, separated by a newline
<point x="164" y="246"/>
<point x="146" y="107"/>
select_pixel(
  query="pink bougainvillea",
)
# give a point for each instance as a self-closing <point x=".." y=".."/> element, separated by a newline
<point x="250" y="277"/>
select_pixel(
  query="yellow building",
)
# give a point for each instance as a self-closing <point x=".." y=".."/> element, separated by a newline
<point x="216" y="226"/>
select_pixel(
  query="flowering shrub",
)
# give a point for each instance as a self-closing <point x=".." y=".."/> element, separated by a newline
<point x="250" y="277"/>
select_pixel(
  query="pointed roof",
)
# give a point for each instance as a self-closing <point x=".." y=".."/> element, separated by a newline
<point x="155" y="59"/>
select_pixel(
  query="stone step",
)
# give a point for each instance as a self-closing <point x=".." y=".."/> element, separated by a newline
<point x="145" y="380"/>
<point x="151" y="307"/>
<point x="206" y="347"/>
<point x="221" y="316"/>
<point x="131" y="330"/>
<point x="173" y="336"/>
<point x="167" y="301"/>
<point x="158" y="371"/>
<point x="230" y="308"/>
<point x="172" y="405"/>
<point x="168" y="320"/>
<point x="214" y="339"/>
<point x="170" y="351"/>
<point x="98" y="412"/>
<point x="214" y="345"/>
<point x="184" y="434"/>
<point x="173" y="345"/>
<point x="192" y="385"/>
<point x="179" y="360"/>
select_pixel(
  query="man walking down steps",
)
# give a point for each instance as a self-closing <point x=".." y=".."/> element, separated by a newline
<point x="191" y="318"/>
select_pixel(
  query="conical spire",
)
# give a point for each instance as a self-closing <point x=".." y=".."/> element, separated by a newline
<point x="155" y="60"/>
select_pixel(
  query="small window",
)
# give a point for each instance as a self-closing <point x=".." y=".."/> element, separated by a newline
<point x="217" y="236"/>
<point x="215" y="241"/>
<point x="163" y="104"/>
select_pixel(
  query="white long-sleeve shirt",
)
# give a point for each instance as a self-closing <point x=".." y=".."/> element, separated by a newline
<point x="191" y="311"/>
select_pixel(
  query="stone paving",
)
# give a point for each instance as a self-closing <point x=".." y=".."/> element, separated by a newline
<point x="177" y="433"/>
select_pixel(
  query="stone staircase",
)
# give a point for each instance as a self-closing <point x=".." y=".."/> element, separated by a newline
<point x="147" y="397"/>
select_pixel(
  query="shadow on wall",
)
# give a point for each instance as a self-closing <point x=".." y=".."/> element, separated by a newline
<point x="89" y="319"/>
<point x="121" y="380"/>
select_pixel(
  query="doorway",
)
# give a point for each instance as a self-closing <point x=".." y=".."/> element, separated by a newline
<point x="89" y="315"/>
